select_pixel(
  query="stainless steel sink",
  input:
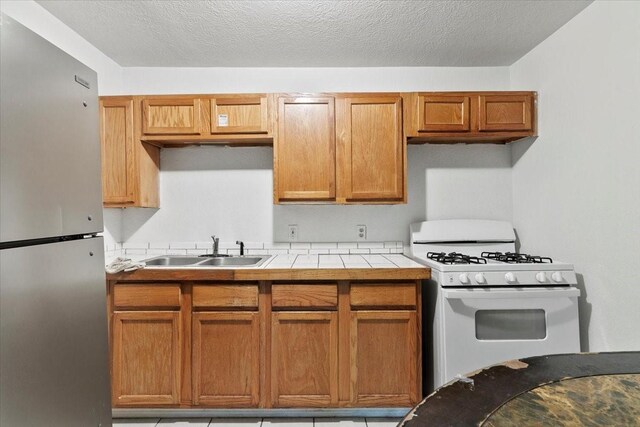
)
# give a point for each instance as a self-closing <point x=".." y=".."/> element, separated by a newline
<point x="234" y="261"/>
<point x="172" y="261"/>
<point x="195" y="262"/>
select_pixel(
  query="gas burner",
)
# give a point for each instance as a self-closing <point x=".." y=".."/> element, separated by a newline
<point x="516" y="258"/>
<point x="455" y="258"/>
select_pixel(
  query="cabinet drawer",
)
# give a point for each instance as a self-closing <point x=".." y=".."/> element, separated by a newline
<point x="225" y="295"/>
<point x="383" y="294"/>
<point x="145" y="295"/>
<point x="304" y="295"/>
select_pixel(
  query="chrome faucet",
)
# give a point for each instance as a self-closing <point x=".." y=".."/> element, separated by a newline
<point x="216" y="241"/>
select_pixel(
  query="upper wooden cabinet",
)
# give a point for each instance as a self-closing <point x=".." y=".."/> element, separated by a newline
<point x="171" y="116"/>
<point x="469" y="116"/>
<point x="370" y="155"/>
<point x="444" y="113"/>
<point x="340" y="149"/>
<point x="129" y="166"/>
<point x="233" y="119"/>
<point x="304" y="151"/>
<point x="239" y="114"/>
<point x="505" y="113"/>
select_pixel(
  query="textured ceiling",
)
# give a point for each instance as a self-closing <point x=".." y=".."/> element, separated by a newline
<point x="314" y="33"/>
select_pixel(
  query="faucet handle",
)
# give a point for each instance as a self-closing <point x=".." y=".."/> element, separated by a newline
<point x="214" y="238"/>
<point x="241" y="243"/>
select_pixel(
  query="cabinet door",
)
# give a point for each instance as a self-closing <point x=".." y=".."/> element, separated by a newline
<point x="239" y="115"/>
<point x="304" y="152"/>
<point x="118" y="156"/>
<point x="384" y="358"/>
<point x="304" y="359"/>
<point x="443" y="113"/>
<point x="505" y="113"/>
<point x="371" y="154"/>
<point x="226" y="359"/>
<point x="146" y="358"/>
<point x="171" y="116"/>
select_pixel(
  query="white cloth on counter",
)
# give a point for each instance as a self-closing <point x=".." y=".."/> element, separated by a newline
<point x="123" y="264"/>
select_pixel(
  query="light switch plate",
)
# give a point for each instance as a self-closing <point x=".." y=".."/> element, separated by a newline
<point x="293" y="232"/>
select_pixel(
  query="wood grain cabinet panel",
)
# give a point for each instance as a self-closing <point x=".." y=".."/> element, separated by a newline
<point x="221" y="295"/>
<point x="304" y="295"/>
<point x="129" y="166"/>
<point x="171" y="116"/>
<point x="505" y="112"/>
<point x="226" y="359"/>
<point x="239" y="115"/>
<point x="146" y="295"/>
<point x="304" y="359"/>
<point x="304" y="149"/>
<point x="445" y="113"/>
<point x="118" y="155"/>
<point x="469" y="117"/>
<point x="383" y="295"/>
<point x="146" y="358"/>
<point x="371" y="153"/>
<point x="384" y="361"/>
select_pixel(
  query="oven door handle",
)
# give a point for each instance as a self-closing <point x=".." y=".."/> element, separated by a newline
<point x="511" y="293"/>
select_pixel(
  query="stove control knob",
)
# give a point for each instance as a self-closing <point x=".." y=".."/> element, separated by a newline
<point x="541" y="277"/>
<point x="464" y="278"/>
<point x="480" y="278"/>
<point x="557" y="277"/>
<point x="510" y="277"/>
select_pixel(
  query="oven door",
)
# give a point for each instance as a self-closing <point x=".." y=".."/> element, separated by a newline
<point x="483" y="327"/>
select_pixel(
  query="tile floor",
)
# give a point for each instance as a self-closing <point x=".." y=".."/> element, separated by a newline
<point x="256" y="422"/>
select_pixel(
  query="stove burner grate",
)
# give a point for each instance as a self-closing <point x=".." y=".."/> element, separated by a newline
<point x="516" y="258"/>
<point x="455" y="258"/>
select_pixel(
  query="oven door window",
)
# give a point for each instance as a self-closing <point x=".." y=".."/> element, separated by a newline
<point x="530" y="324"/>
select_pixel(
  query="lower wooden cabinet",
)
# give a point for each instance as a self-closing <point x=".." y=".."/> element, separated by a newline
<point x="304" y="359"/>
<point x="146" y="358"/>
<point x="384" y="361"/>
<point x="226" y="359"/>
<point x="309" y="343"/>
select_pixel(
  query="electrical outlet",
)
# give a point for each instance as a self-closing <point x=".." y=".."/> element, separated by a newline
<point x="361" y="232"/>
<point x="293" y="232"/>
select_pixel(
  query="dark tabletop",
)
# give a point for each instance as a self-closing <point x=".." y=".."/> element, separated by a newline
<point x="567" y="389"/>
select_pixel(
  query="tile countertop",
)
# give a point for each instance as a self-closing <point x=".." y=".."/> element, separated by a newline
<point x="293" y="267"/>
<point x="340" y="261"/>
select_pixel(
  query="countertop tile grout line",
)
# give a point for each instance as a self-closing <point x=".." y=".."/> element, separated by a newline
<point x="391" y="261"/>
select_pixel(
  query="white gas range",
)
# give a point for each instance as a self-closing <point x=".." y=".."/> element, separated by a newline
<point x="488" y="304"/>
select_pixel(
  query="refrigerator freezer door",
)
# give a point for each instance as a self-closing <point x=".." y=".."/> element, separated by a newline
<point x="50" y="180"/>
<point x="53" y="336"/>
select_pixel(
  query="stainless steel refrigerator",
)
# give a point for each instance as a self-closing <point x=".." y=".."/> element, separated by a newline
<point x="54" y="368"/>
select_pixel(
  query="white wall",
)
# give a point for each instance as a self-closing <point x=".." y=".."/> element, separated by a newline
<point x="228" y="191"/>
<point x="39" y="20"/>
<point x="576" y="190"/>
